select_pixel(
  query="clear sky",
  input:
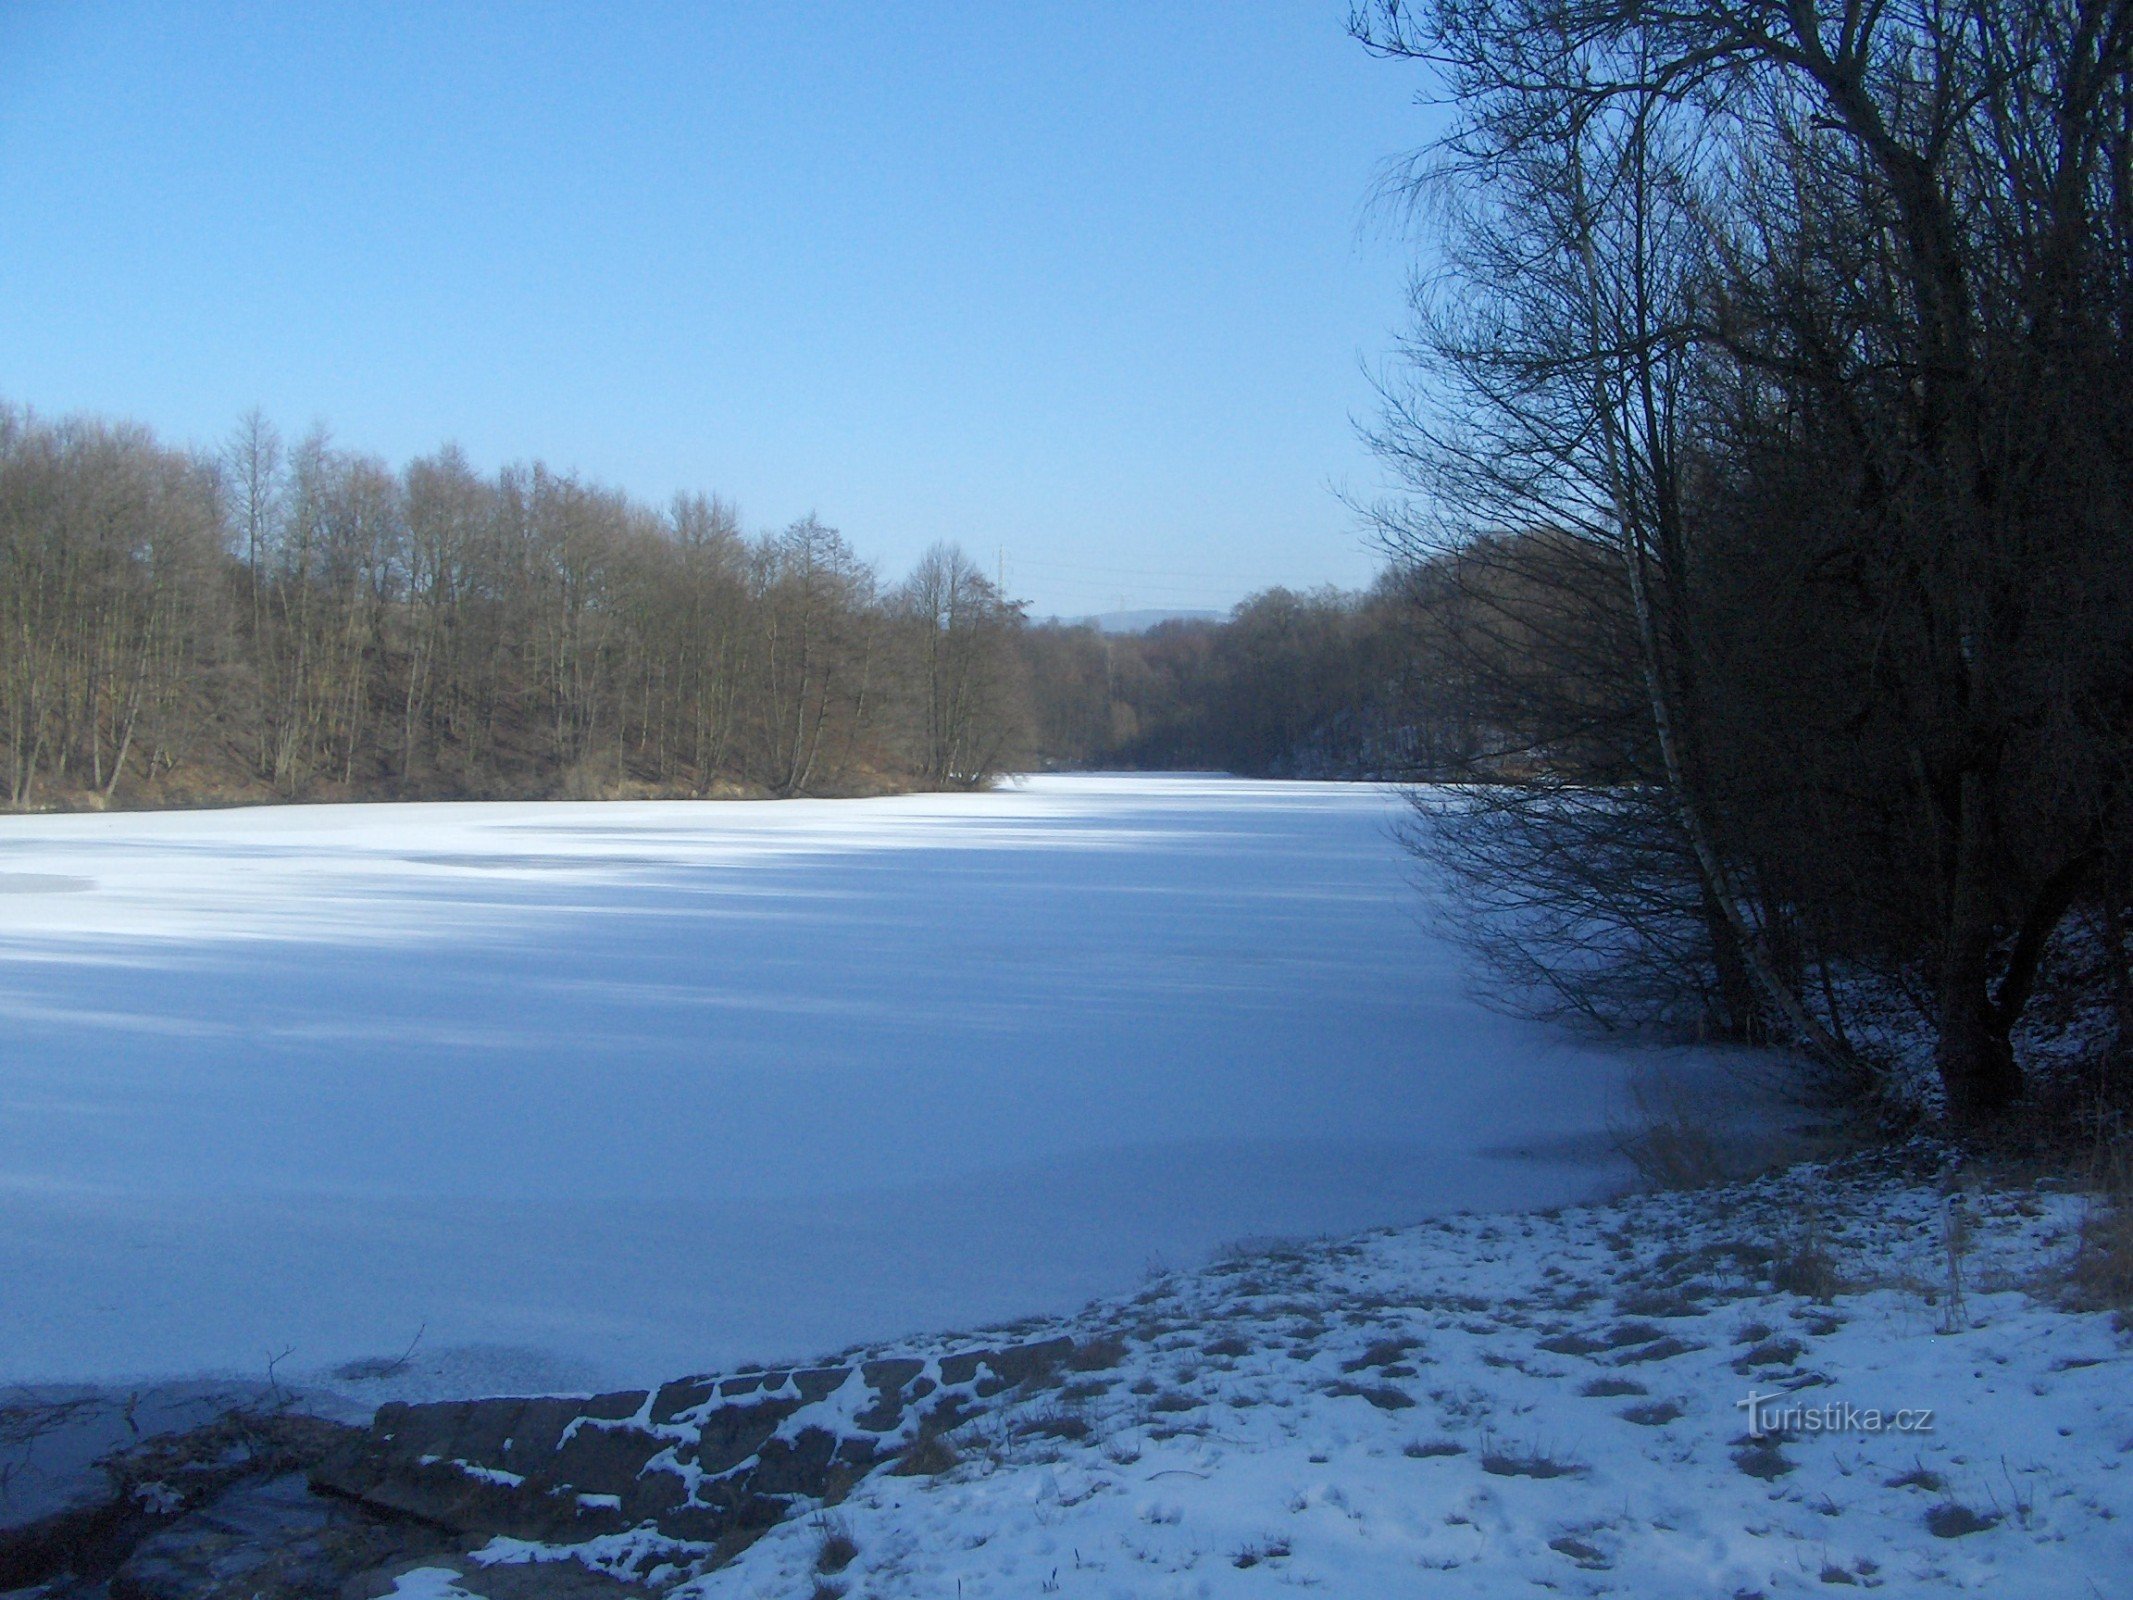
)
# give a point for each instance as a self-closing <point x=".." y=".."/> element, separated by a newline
<point x="1093" y="284"/>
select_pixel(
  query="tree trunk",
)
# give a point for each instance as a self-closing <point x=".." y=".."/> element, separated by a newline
<point x="1973" y="1053"/>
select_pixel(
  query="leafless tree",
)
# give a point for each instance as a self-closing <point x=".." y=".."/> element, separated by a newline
<point x="1813" y="321"/>
<point x="966" y="695"/>
<point x="309" y="622"/>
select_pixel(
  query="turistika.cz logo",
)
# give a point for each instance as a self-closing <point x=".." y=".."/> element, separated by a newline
<point x="1786" y="1414"/>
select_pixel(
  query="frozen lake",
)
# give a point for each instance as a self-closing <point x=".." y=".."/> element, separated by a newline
<point x="594" y="1093"/>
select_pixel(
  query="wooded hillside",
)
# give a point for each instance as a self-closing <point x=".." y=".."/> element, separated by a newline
<point x="308" y="623"/>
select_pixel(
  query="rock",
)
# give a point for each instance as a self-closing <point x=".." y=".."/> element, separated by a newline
<point x="245" y="1502"/>
<point x="695" y="1462"/>
<point x="272" y="1540"/>
<point x="55" y="1490"/>
<point x="157" y="1483"/>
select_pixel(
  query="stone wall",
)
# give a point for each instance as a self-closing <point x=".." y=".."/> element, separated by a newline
<point x="693" y="1467"/>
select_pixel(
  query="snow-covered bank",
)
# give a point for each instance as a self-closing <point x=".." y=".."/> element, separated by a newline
<point x="595" y="1094"/>
<point x="1486" y="1405"/>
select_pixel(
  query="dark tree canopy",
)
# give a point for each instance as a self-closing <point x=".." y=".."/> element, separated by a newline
<point x="1770" y="412"/>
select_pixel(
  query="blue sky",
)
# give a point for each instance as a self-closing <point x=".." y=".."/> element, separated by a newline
<point x="1094" y="284"/>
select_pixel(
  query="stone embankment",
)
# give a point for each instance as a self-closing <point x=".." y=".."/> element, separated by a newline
<point x="266" y="1505"/>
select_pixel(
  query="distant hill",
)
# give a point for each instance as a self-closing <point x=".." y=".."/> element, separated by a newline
<point x="1142" y="621"/>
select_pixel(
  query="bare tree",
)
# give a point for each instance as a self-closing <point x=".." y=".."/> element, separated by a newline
<point x="310" y="622"/>
<point x="966" y="693"/>
<point x="1795" y="309"/>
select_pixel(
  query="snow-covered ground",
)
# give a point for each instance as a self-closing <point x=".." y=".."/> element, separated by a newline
<point x="587" y="1094"/>
<point x="1501" y="1405"/>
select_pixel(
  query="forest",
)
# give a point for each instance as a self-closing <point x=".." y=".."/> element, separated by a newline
<point x="1324" y="684"/>
<point x="302" y="622"/>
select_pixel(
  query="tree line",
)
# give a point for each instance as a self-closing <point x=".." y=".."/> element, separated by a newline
<point x="1767" y="420"/>
<point x="1324" y="684"/>
<point x="299" y="621"/>
<point x="296" y="621"/>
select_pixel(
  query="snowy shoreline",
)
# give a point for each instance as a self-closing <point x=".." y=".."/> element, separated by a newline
<point x="1867" y="1373"/>
<point x="1493" y="1402"/>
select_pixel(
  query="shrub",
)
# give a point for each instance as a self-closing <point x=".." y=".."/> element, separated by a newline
<point x="928" y="1456"/>
<point x="837" y="1550"/>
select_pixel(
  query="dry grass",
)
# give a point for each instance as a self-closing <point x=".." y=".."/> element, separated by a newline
<point x="1668" y="1137"/>
<point x="1504" y="1461"/>
<point x="1801" y="1264"/>
<point x="1695" y="1133"/>
<point x="1096" y="1355"/>
<point x="928" y="1456"/>
<point x="837" y="1550"/>
<point x="2102" y="1273"/>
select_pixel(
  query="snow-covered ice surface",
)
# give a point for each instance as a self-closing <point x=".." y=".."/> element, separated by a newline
<point x="1502" y="1405"/>
<point x="596" y="1094"/>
